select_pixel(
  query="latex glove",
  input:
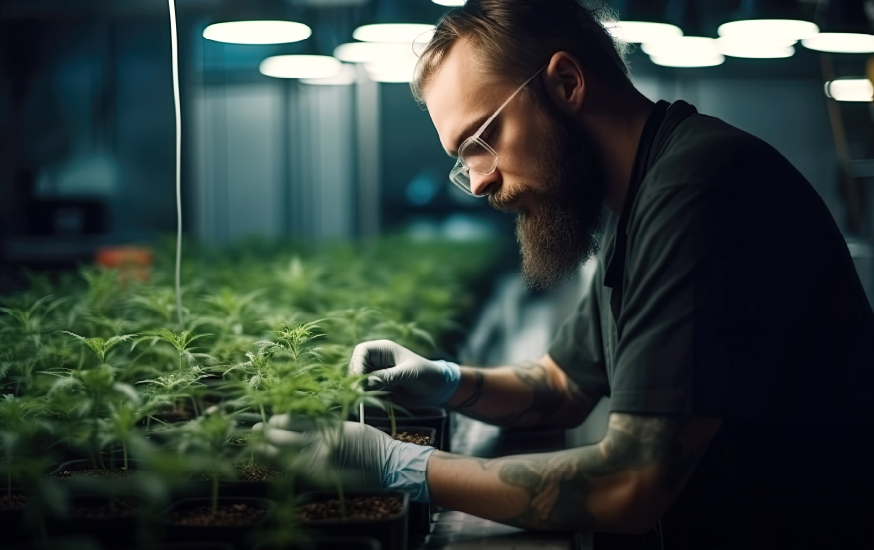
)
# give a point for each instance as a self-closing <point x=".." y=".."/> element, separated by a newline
<point x="371" y="458"/>
<point x="411" y="379"/>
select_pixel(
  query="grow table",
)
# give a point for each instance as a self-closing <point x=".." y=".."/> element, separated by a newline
<point x="456" y="530"/>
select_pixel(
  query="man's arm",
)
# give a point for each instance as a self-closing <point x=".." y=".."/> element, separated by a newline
<point x="623" y="484"/>
<point x="534" y="394"/>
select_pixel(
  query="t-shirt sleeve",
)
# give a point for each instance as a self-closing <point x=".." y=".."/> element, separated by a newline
<point x="671" y="350"/>
<point x="577" y="346"/>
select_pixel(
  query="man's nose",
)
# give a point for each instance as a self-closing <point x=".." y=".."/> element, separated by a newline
<point x="483" y="185"/>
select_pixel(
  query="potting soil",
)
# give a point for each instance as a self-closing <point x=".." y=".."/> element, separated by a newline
<point x="120" y="507"/>
<point x="358" y="508"/>
<point x="235" y="515"/>
<point x="15" y="502"/>
<point x="257" y="472"/>
<point x="71" y="474"/>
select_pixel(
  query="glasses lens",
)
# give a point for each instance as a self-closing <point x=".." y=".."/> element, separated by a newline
<point x="477" y="155"/>
<point x="461" y="177"/>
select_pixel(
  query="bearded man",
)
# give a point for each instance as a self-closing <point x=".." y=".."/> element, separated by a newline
<point x="725" y="319"/>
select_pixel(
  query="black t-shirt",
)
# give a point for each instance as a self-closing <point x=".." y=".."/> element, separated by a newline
<point x="733" y="294"/>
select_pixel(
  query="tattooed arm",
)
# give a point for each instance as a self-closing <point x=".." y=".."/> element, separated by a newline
<point x="533" y="394"/>
<point x="623" y="484"/>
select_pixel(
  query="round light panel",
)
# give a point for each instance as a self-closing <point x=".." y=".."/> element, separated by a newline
<point x="257" y="32"/>
<point x="841" y="42"/>
<point x="301" y="66"/>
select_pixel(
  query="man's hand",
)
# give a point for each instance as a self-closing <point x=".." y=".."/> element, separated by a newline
<point x="411" y="379"/>
<point x="365" y="456"/>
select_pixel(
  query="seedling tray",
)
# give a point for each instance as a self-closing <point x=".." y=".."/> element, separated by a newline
<point x="390" y="532"/>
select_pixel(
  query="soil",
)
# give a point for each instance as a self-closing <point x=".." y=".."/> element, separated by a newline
<point x="358" y="508"/>
<point x="121" y="507"/>
<point x="112" y="474"/>
<point x="235" y="515"/>
<point x="15" y="502"/>
<point x="257" y="472"/>
<point x="418" y="439"/>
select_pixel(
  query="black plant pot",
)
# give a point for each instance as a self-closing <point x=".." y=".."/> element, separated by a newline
<point x="81" y="464"/>
<point x="196" y="545"/>
<point x="236" y="536"/>
<point x="12" y="524"/>
<point x="390" y="532"/>
<point x="420" y="512"/>
<point x="347" y="543"/>
<point x="113" y="531"/>
<point x="428" y="417"/>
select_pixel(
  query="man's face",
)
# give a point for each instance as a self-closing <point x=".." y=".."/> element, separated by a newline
<point x="547" y="168"/>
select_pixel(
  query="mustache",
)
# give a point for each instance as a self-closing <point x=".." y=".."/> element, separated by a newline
<point x="502" y="202"/>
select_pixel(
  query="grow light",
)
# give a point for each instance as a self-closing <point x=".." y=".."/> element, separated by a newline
<point x="301" y="66"/>
<point x="850" y="89"/>
<point x="688" y="61"/>
<point x="755" y="48"/>
<point x="345" y="77"/>
<point x="257" y="32"/>
<point x="688" y="46"/>
<point x="374" y="52"/>
<point x="394" y="32"/>
<point x="450" y="2"/>
<point x="643" y="31"/>
<point x="841" y="42"/>
<point x="785" y="29"/>
<point x="391" y="72"/>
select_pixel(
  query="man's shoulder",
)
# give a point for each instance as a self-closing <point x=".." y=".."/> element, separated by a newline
<point x="705" y="150"/>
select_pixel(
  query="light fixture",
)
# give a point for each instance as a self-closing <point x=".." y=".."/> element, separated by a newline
<point x="391" y="71"/>
<point x="367" y="52"/>
<point x="301" y="66"/>
<point x="841" y="42"/>
<point x="850" y="89"/>
<point x="643" y="31"/>
<point x="688" y="61"/>
<point x="345" y="77"/>
<point x="406" y="33"/>
<point x="450" y="2"/>
<point x="685" y="51"/>
<point x="257" y="32"/>
<point x="741" y="46"/>
<point x="769" y="29"/>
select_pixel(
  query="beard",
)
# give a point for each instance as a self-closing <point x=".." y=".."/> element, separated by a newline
<point x="561" y="230"/>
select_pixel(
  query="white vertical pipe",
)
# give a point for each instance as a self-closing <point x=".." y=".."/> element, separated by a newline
<point x="174" y="44"/>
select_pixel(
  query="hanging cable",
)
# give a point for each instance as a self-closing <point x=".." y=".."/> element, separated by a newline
<point x="174" y="42"/>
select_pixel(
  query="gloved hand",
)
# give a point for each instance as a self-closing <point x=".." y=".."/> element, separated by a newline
<point x="369" y="457"/>
<point x="411" y="379"/>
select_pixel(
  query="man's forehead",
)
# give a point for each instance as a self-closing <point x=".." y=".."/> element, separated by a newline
<point x="458" y="94"/>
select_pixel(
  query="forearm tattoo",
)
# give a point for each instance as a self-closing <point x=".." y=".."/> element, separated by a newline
<point x="559" y="485"/>
<point x="479" y="382"/>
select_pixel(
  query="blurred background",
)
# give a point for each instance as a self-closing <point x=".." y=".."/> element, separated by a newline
<point x="335" y="147"/>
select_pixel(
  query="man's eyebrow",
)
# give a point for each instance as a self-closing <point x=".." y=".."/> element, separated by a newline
<point x="466" y="133"/>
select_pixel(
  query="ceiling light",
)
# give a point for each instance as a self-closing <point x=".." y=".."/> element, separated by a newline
<point x="394" y="32"/>
<point x="736" y="46"/>
<point x="257" y="32"/>
<point x="850" y="89"/>
<point x="643" y="31"/>
<point x="688" y="46"/>
<point x="367" y="52"/>
<point x="841" y="42"/>
<point x="785" y="29"/>
<point x="345" y="77"/>
<point x="688" y="61"/>
<point x="449" y="2"/>
<point x="301" y="66"/>
<point x="391" y="72"/>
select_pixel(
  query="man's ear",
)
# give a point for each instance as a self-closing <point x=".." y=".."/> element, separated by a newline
<point x="565" y="82"/>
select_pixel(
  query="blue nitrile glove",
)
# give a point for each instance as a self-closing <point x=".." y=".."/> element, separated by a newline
<point x="364" y="454"/>
<point x="411" y="379"/>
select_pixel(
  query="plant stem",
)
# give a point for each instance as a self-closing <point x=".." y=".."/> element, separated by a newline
<point x="124" y="447"/>
<point x="215" y="487"/>
<point x="194" y="404"/>
<point x="341" y="495"/>
<point x="263" y="414"/>
<point x="391" y="417"/>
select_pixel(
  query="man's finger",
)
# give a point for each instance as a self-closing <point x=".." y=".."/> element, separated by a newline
<point x="285" y="438"/>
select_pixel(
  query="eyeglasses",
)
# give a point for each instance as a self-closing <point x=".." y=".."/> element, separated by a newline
<point x="477" y="155"/>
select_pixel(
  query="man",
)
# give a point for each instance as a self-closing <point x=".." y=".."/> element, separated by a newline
<point x="725" y="318"/>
